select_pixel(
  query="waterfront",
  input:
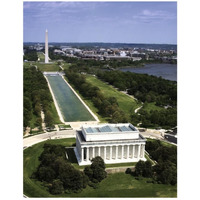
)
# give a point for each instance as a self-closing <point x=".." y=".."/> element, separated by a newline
<point x="166" y="71"/>
<point x="71" y="107"/>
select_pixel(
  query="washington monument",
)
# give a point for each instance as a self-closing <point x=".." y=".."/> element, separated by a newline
<point x="46" y="47"/>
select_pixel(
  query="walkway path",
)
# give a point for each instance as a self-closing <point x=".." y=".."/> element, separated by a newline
<point x="61" y="67"/>
<point x="43" y="124"/>
<point x="137" y="109"/>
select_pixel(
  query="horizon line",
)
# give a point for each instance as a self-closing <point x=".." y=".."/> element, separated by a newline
<point x="109" y="43"/>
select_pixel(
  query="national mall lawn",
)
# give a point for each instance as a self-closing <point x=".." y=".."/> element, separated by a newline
<point x="115" y="185"/>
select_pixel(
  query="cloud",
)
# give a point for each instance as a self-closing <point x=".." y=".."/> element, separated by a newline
<point x="154" y="16"/>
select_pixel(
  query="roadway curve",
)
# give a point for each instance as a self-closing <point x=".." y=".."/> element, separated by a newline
<point x="31" y="140"/>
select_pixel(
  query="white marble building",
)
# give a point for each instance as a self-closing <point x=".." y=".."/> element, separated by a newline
<point x="115" y="143"/>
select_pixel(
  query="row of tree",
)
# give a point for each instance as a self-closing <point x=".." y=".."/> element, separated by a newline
<point x="30" y="54"/>
<point x="55" y="170"/>
<point x="144" y="87"/>
<point x="165" y="118"/>
<point x="107" y="107"/>
<point x="37" y="97"/>
<point x="165" y="171"/>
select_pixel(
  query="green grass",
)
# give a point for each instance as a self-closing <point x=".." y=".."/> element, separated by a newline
<point x="55" y="114"/>
<point x="64" y="126"/>
<point x="126" y="103"/>
<point x="115" y="185"/>
<point x="66" y="65"/>
<point x="26" y="64"/>
<point x="41" y="56"/>
<point x="151" y="106"/>
<point x="32" y="187"/>
<point x="52" y="67"/>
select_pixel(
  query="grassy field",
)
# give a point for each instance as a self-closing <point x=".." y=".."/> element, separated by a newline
<point x="55" y="114"/>
<point x="151" y="106"/>
<point x="41" y="56"/>
<point x="126" y="103"/>
<point x="115" y="185"/>
<point x="52" y="67"/>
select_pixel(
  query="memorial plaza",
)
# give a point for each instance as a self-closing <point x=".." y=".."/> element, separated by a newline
<point x="114" y="143"/>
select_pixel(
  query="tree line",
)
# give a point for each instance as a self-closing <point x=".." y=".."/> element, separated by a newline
<point x="57" y="173"/>
<point x="36" y="97"/>
<point x="30" y="54"/>
<point x="107" y="107"/>
<point x="165" y="171"/>
<point x="147" y="89"/>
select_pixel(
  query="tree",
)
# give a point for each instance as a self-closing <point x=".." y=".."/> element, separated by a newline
<point x="143" y="168"/>
<point x="96" y="172"/>
<point x="98" y="168"/>
<point x="56" y="170"/>
<point x="45" y="174"/>
<point x="49" y="119"/>
<point x="57" y="187"/>
<point x="88" y="172"/>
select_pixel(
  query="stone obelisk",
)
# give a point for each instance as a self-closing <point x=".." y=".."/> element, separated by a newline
<point x="46" y="47"/>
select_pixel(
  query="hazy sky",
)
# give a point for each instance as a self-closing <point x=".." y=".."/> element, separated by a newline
<point x="125" y="22"/>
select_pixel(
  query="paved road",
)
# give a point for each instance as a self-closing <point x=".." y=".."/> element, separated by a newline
<point x="171" y="138"/>
<point x="159" y="136"/>
<point x="29" y="141"/>
<point x="153" y="135"/>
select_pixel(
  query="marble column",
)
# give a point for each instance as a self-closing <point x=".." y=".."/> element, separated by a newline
<point x="110" y="152"/>
<point x="122" y="152"/>
<point x="133" y="151"/>
<point x="93" y="155"/>
<point x="127" y="152"/>
<point x="116" y="153"/>
<point x="99" y="153"/>
<point x="138" y="153"/>
<point x="104" y="155"/>
<point x="142" y="149"/>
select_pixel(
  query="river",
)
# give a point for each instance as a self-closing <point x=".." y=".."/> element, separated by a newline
<point x="166" y="71"/>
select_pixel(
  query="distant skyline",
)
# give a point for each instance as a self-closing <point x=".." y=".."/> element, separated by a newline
<point x="112" y="22"/>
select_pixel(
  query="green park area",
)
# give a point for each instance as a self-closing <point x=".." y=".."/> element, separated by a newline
<point x="51" y="67"/>
<point x="126" y="103"/>
<point x="115" y="185"/>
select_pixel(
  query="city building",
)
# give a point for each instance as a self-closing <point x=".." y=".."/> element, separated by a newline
<point x="115" y="143"/>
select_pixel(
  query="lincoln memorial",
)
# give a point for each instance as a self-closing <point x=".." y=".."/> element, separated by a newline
<point x="115" y="143"/>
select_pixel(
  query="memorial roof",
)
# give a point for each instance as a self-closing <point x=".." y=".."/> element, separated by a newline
<point x="109" y="128"/>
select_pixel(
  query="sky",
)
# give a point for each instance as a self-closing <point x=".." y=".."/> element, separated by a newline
<point x="123" y="22"/>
